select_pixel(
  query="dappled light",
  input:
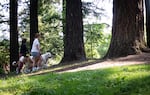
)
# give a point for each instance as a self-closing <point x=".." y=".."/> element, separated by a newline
<point x="81" y="47"/>
<point x="110" y="81"/>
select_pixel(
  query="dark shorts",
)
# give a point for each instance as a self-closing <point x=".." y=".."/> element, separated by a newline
<point x="35" y="54"/>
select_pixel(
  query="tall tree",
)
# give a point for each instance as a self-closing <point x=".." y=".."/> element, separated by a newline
<point x="73" y="36"/>
<point x="147" y="7"/>
<point x="127" y="29"/>
<point x="14" y="46"/>
<point x="33" y="19"/>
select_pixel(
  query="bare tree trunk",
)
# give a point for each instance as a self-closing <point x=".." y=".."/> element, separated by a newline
<point x="14" y="46"/>
<point x="128" y="28"/>
<point x="33" y="19"/>
<point x="147" y="5"/>
<point x="73" y="36"/>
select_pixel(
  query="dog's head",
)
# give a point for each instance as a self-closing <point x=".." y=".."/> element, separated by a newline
<point x="48" y="55"/>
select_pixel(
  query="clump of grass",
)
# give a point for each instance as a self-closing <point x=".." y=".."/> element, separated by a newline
<point x="126" y="80"/>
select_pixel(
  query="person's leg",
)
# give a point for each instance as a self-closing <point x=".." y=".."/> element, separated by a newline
<point x="34" y="64"/>
<point x="30" y="61"/>
<point x="39" y="62"/>
<point x="34" y="60"/>
<point x="19" y="67"/>
<point x="28" y="64"/>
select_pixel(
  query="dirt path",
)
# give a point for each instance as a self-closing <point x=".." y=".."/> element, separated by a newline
<point x="143" y="58"/>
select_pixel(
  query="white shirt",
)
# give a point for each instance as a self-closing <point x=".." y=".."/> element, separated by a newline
<point x="21" y="59"/>
<point x="35" y="45"/>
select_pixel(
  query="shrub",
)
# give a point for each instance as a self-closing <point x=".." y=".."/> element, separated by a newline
<point x="4" y="54"/>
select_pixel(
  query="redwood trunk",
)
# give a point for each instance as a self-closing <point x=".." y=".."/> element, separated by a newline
<point x="33" y="19"/>
<point x="147" y="5"/>
<point x="128" y="28"/>
<point x="73" y="36"/>
<point x="14" y="45"/>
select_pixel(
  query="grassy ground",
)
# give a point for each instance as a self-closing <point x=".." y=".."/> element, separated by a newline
<point x="125" y="80"/>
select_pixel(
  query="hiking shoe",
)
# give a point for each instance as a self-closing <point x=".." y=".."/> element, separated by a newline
<point x="17" y="71"/>
<point x="33" y="69"/>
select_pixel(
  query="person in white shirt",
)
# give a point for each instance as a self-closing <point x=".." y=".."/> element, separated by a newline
<point x="36" y="53"/>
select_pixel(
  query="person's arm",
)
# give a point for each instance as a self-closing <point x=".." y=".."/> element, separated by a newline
<point x="26" y="49"/>
<point x="38" y="46"/>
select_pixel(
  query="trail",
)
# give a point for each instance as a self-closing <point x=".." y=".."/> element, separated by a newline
<point x="143" y="58"/>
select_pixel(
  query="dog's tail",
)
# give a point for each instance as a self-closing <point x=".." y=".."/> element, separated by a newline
<point x="14" y="63"/>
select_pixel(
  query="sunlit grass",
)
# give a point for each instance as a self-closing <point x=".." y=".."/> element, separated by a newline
<point x="125" y="80"/>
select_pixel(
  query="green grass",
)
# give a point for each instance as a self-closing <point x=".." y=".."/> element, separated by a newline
<point x="125" y="80"/>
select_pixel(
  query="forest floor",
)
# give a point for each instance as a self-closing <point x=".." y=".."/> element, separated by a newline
<point x="143" y="58"/>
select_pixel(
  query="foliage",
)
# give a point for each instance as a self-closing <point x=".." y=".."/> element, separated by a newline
<point x="4" y="19"/>
<point x="90" y="9"/>
<point x="23" y="16"/>
<point x="96" y="40"/>
<point x="4" y="53"/>
<point x="51" y="28"/>
<point x="127" y="80"/>
<point x="50" y="25"/>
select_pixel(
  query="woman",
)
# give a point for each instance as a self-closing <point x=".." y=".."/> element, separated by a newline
<point x="23" y="48"/>
<point x="36" y="53"/>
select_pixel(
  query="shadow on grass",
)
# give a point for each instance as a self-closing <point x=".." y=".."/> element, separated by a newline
<point x="60" y="68"/>
<point x="110" y="81"/>
<point x="144" y="58"/>
<point x="99" y="82"/>
<point x="55" y="68"/>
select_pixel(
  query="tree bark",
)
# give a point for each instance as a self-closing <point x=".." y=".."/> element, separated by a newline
<point x="128" y="28"/>
<point x="147" y="7"/>
<point x="33" y="20"/>
<point x="14" y="45"/>
<point x="73" y="36"/>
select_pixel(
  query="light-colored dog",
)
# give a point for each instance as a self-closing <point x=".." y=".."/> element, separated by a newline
<point x="45" y="58"/>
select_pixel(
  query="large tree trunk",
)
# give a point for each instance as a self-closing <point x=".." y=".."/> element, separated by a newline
<point x="14" y="46"/>
<point x="128" y="28"/>
<point x="73" y="36"/>
<point x="147" y="5"/>
<point x="33" y="19"/>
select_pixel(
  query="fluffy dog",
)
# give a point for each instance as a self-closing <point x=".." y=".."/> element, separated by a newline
<point x="45" y="58"/>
